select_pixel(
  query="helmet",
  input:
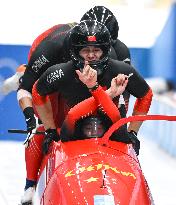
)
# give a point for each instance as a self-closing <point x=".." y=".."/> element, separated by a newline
<point x="92" y="127"/>
<point x="104" y="16"/>
<point x="88" y="127"/>
<point x="90" y="33"/>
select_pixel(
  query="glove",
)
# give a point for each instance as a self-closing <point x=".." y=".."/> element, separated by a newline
<point x="134" y="140"/>
<point x="31" y="120"/>
<point x="32" y="123"/>
<point x="50" y="136"/>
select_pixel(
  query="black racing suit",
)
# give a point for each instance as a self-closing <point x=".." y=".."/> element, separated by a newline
<point x="48" y="49"/>
<point x="62" y="78"/>
<point x="51" y="48"/>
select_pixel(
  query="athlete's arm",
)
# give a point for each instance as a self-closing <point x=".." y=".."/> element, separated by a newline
<point x="141" y="107"/>
<point x="47" y="84"/>
<point x="139" y="88"/>
<point x="44" y="108"/>
<point x="43" y="54"/>
<point x="12" y="83"/>
<point x="36" y="65"/>
<point x="101" y="99"/>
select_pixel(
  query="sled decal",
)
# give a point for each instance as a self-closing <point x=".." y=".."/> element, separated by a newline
<point x="100" y="167"/>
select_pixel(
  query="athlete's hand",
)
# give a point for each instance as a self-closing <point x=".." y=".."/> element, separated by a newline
<point x="118" y="85"/>
<point x="50" y="136"/>
<point x="135" y="142"/>
<point x="32" y="123"/>
<point x="88" y="75"/>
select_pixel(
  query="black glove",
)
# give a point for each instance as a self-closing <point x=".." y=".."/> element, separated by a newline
<point x="50" y="136"/>
<point x="32" y="123"/>
<point x="31" y="120"/>
<point x="134" y="140"/>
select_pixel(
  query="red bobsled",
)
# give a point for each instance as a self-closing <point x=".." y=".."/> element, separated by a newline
<point x="93" y="171"/>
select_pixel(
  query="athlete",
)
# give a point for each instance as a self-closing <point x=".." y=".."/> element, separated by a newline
<point x="89" y="118"/>
<point x="92" y="117"/>
<point x="89" y="41"/>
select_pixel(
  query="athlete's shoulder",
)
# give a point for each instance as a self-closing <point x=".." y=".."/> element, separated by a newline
<point x="114" y="62"/>
<point x="120" y="66"/>
<point x="63" y="66"/>
<point x="58" y="27"/>
<point x="58" y="38"/>
<point x="58" y="73"/>
<point x="55" y="34"/>
<point x="47" y="32"/>
<point x="63" y="28"/>
<point x="70" y="25"/>
<point x="40" y="39"/>
<point x="122" y="51"/>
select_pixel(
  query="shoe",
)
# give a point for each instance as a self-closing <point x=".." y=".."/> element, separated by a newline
<point x="26" y="199"/>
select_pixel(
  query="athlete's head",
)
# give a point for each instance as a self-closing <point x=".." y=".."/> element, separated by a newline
<point x="104" y="16"/>
<point x="90" y="40"/>
<point x="91" y="127"/>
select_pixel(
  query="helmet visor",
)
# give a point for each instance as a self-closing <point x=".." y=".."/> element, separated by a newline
<point x="93" y="128"/>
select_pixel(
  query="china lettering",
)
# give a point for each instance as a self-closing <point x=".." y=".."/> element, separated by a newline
<point x="100" y="167"/>
<point x="39" y="63"/>
<point x="55" y="76"/>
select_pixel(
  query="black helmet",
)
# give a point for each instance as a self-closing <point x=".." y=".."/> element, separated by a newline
<point x="104" y="16"/>
<point x="90" y="33"/>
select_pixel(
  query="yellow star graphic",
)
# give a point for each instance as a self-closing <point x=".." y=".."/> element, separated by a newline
<point x="69" y="174"/>
<point x="92" y="179"/>
<point x="90" y="168"/>
<point x="82" y="169"/>
<point x="99" y="166"/>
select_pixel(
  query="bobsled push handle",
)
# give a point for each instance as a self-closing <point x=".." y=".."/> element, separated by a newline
<point x="18" y="131"/>
<point x="104" y="140"/>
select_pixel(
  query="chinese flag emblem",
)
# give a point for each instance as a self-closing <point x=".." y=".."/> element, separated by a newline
<point x="91" y="38"/>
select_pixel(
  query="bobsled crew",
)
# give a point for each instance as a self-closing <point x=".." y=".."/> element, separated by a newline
<point x="74" y="93"/>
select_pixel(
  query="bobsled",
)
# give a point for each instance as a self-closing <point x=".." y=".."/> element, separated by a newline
<point x="94" y="171"/>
